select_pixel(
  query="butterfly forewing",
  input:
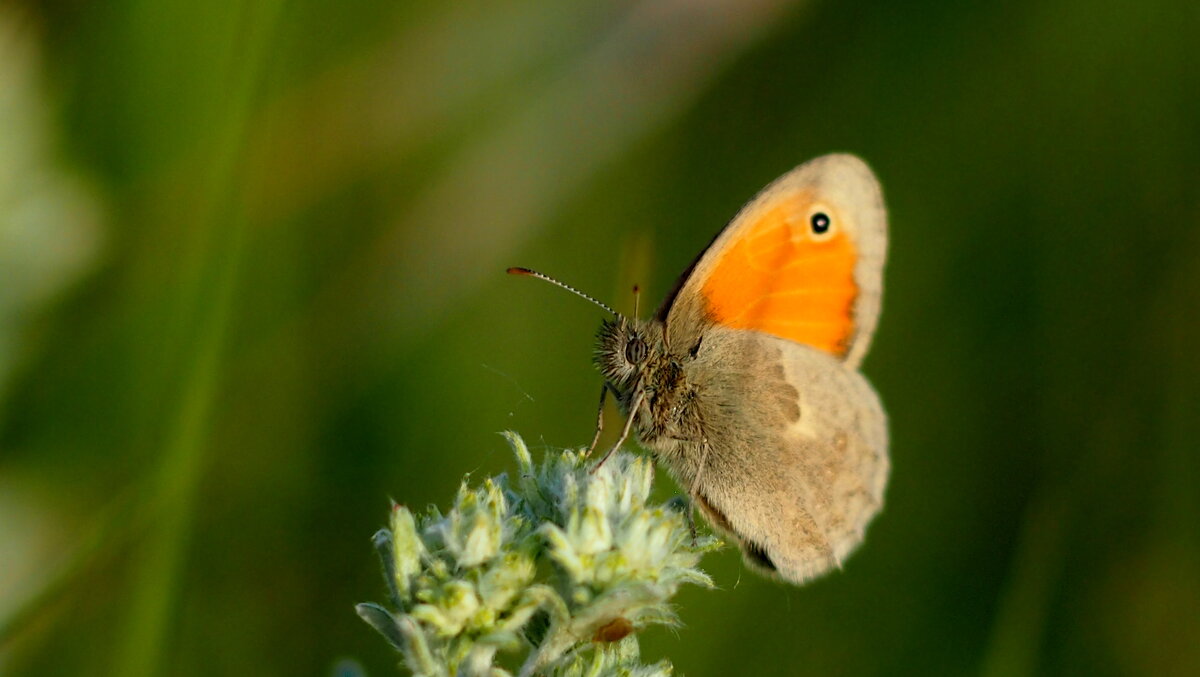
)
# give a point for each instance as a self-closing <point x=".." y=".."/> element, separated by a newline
<point x="802" y="261"/>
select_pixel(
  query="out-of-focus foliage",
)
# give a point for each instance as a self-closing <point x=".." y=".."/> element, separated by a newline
<point x="48" y="228"/>
<point x="299" y="310"/>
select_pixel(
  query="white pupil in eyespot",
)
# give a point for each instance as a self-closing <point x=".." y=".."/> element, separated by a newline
<point x="820" y="223"/>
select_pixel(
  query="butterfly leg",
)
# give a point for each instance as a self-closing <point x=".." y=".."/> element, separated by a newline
<point x="684" y="505"/>
<point x="691" y="519"/>
<point x="599" y="421"/>
<point x="637" y="402"/>
<point x="699" y="470"/>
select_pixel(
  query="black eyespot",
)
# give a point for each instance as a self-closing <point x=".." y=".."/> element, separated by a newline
<point x="696" y="348"/>
<point x="635" y="350"/>
<point x="820" y="223"/>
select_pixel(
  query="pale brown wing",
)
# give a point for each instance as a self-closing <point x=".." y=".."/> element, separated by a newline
<point x="797" y="451"/>
<point x="771" y="271"/>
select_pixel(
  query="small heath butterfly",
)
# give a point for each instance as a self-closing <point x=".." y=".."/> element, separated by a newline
<point x="745" y="382"/>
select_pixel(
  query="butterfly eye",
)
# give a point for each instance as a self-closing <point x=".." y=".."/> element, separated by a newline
<point x="635" y="350"/>
<point x="820" y="223"/>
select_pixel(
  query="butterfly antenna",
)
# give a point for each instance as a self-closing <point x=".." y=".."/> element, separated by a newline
<point x="533" y="273"/>
<point x="637" y="297"/>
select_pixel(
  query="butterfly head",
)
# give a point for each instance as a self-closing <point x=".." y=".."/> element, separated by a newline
<point x="624" y="349"/>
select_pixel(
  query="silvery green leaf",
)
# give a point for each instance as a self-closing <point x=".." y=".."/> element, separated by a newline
<point x="383" y="622"/>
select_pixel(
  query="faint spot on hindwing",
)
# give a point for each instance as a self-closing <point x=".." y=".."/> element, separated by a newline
<point x="790" y="403"/>
<point x="783" y="398"/>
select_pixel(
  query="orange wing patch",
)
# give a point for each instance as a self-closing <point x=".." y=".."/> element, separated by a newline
<point x="777" y="279"/>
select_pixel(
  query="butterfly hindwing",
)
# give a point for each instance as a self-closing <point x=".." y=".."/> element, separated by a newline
<point x="797" y="470"/>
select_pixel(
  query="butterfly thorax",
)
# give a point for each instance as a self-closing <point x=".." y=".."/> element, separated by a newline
<point x="649" y="379"/>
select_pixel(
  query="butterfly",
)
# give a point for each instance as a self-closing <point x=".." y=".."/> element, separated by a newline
<point x="745" y="383"/>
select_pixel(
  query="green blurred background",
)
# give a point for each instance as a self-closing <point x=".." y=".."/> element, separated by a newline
<point x="251" y="286"/>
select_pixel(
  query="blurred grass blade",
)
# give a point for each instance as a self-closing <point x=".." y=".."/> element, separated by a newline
<point x="209" y="279"/>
